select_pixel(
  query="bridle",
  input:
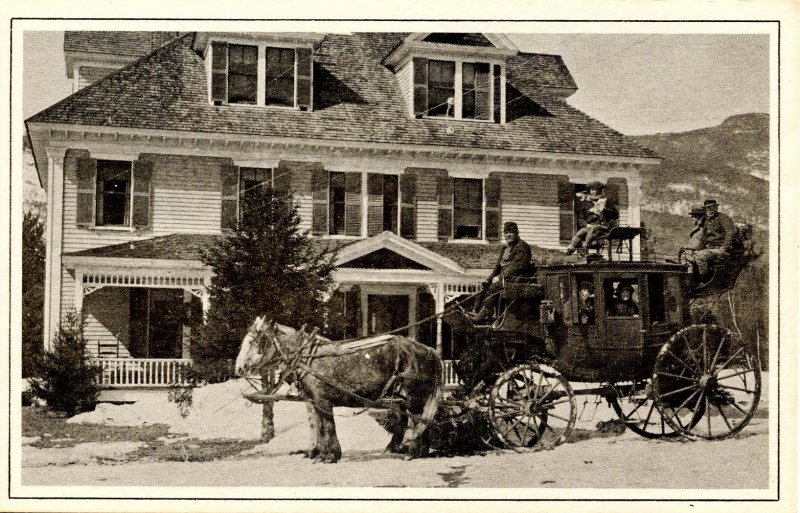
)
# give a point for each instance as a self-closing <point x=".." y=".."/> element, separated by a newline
<point x="289" y="364"/>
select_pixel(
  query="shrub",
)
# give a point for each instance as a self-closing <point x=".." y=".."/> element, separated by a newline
<point x="66" y="379"/>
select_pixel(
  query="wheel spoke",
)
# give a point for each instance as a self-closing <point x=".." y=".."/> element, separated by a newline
<point x="724" y="417"/>
<point x="719" y="348"/>
<point x="705" y="348"/>
<point x="509" y="402"/>
<point x="735" y="374"/>
<point x="708" y="416"/>
<point x="649" y="414"/>
<point x="551" y="414"/>
<point x="730" y="359"/>
<point x="678" y="391"/>
<point x="538" y="387"/>
<point x="737" y="388"/>
<point x="733" y="403"/>
<point x="638" y="405"/>
<point x="686" y="365"/>
<point x="678" y="376"/>
<point x="690" y="351"/>
<point x="541" y="399"/>
<point x="686" y="401"/>
<point x="558" y="402"/>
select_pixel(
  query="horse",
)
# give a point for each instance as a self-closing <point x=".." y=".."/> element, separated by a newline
<point x="396" y="370"/>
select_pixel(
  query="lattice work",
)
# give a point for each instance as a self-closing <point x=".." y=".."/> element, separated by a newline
<point x="142" y="280"/>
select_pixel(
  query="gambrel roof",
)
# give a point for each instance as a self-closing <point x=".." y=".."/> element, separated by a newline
<point x="356" y="99"/>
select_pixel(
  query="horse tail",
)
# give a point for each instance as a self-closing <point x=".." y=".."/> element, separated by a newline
<point x="434" y="399"/>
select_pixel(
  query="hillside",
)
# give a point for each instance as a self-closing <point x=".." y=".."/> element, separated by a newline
<point x="729" y="162"/>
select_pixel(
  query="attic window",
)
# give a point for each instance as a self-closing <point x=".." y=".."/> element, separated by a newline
<point x="441" y="86"/>
<point x="285" y="75"/>
<point x="457" y="89"/>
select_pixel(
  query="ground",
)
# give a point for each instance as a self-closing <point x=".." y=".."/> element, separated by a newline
<point x="217" y="445"/>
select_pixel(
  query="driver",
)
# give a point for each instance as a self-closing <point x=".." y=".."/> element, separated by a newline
<point x="514" y="260"/>
<point x="718" y="235"/>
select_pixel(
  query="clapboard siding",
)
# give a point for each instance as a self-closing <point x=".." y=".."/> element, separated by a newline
<point x="107" y="320"/>
<point x="531" y="201"/>
<point x="405" y="78"/>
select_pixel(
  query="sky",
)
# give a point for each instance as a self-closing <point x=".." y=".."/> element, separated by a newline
<point x="635" y="83"/>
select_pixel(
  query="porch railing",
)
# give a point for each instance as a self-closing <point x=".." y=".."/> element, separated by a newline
<point x="141" y="372"/>
<point x="158" y="372"/>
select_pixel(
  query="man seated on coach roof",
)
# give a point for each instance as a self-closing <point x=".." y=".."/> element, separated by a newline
<point x="718" y="234"/>
<point x="514" y="260"/>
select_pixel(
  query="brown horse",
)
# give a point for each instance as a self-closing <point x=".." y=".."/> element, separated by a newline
<point x="391" y="368"/>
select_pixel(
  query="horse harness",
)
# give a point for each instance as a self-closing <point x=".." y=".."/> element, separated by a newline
<point x="297" y="364"/>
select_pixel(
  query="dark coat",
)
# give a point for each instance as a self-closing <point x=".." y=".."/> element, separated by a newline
<point x="518" y="261"/>
<point x="718" y="232"/>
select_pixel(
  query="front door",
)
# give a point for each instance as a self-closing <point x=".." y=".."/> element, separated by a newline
<point x="157" y="323"/>
<point x="386" y="313"/>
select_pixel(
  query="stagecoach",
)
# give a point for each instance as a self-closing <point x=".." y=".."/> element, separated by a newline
<point x="663" y="375"/>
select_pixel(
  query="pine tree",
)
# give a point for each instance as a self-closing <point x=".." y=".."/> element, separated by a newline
<point x="33" y="264"/>
<point x="267" y="266"/>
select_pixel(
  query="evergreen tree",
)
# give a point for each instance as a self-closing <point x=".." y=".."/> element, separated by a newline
<point x="33" y="264"/>
<point x="267" y="266"/>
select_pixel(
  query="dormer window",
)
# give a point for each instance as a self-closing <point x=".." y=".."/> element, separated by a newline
<point x="280" y="76"/>
<point x="441" y="87"/>
<point x="265" y="74"/>
<point x="457" y="89"/>
<point x="242" y="74"/>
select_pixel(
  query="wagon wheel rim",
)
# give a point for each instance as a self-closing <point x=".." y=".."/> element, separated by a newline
<point x="636" y="407"/>
<point x="707" y="382"/>
<point x="532" y="405"/>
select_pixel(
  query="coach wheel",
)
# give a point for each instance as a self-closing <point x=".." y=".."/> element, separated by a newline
<point x="707" y="382"/>
<point x="636" y="407"/>
<point x="532" y="405"/>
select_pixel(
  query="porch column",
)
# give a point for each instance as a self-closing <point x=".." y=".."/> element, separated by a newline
<point x="439" y="308"/>
<point x="52" y="280"/>
<point x="205" y="298"/>
<point x="412" y="315"/>
<point x="78" y="299"/>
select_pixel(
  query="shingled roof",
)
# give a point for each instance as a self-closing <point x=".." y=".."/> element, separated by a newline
<point x="190" y="246"/>
<point x="356" y="99"/>
<point x="133" y="44"/>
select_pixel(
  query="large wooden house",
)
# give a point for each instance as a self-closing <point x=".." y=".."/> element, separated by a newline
<point x="406" y="151"/>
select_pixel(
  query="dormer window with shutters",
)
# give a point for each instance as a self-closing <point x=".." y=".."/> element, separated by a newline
<point x="270" y="70"/>
<point x="455" y="76"/>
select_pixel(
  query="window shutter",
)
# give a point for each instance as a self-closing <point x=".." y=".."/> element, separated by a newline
<point x="142" y="193"/>
<point x="352" y="204"/>
<point x="566" y="210"/>
<point x="87" y="172"/>
<point x="498" y="98"/>
<point x="493" y="221"/>
<point x="408" y="205"/>
<point x="420" y="86"/>
<point x="305" y="78"/>
<point x="617" y="193"/>
<point x="444" y="189"/>
<point x="219" y="73"/>
<point x="374" y="204"/>
<point x="230" y="196"/>
<point x="320" y="185"/>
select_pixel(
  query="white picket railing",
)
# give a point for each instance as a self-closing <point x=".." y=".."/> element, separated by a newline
<point x="160" y="372"/>
<point x="449" y="373"/>
<point x="141" y="372"/>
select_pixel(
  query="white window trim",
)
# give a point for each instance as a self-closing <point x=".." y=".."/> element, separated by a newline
<point x="459" y="87"/>
<point x="261" y="71"/>
<point x="114" y="227"/>
<point x="364" y="205"/>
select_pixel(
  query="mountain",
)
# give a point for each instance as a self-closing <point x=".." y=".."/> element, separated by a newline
<point x="728" y="162"/>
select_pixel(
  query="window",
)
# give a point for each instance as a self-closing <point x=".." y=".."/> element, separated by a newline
<point x="280" y="77"/>
<point x="582" y="306"/>
<point x="113" y="193"/>
<point x="655" y="285"/>
<point x="252" y="181"/>
<point x="467" y="208"/>
<point x="622" y="297"/>
<point x="336" y="203"/>
<point x="475" y="97"/>
<point x="441" y="86"/>
<point x="242" y="74"/>
<point x="390" y="203"/>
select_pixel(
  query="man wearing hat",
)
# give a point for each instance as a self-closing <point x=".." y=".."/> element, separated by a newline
<point x="698" y="215"/>
<point x="718" y="233"/>
<point x="514" y="260"/>
<point x="596" y="221"/>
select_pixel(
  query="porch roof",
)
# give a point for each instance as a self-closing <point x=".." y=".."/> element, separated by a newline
<point x="190" y="246"/>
